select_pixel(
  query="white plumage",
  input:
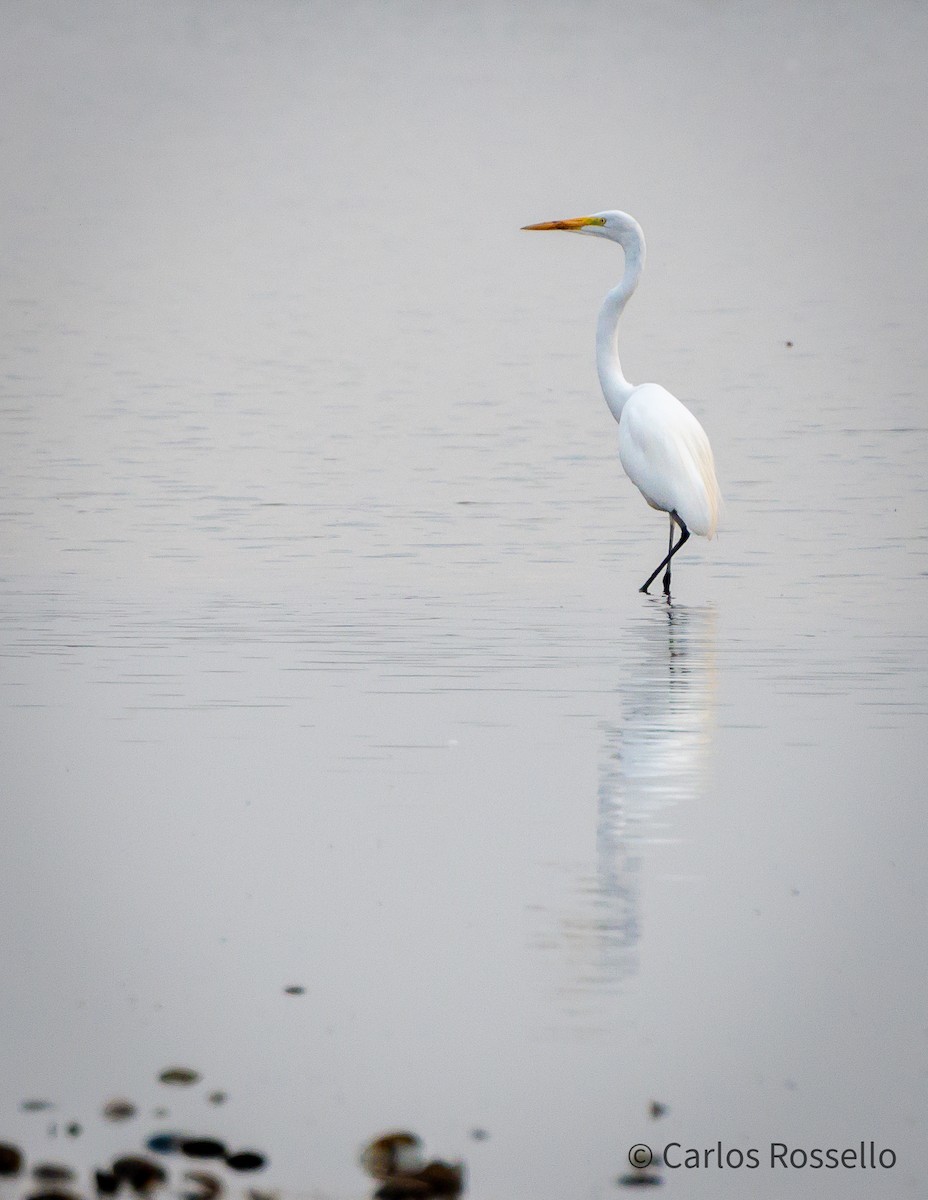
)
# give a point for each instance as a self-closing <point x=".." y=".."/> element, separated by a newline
<point x="662" y="447"/>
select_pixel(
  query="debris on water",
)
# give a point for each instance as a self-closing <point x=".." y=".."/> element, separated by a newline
<point x="209" y="1186"/>
<point x="217" y="1097"/>
<point x="397" y="1153"/>
<point x="11" y="1160"/>
<point x="161" y="1113"/>
<point x="789" y="345"/>
<point x="36" y="1105"/>
<point x="396" y="1159"/>
<point x="401" y="1187"/>
<point x="479" y="1135"/>
<point x="246" y="1160"/>
<point x="443" y="1179"/>
<point x="179" y="1075"/>
<point x="437" y="1178"/>
<point x="52" y="1195"/>
<point x="74" y="1129"/>
<point x="202" y="1148"/>
<point x="295" y="990"/>
<point x="166" y="1143"/>
<point x="640" y="1179"/>
<point x="657" y="1110"/>
<point x="119" y="1110"/>
<point x="141" y="1174"/>
<point x="52" y="1173"/>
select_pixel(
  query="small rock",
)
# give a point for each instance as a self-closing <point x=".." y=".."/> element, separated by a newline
<point x="119" y="1110"/>
<point x="141" y="1174"/>
<point x="246" y="1160"/>
<point x="52" y="1173"/>
<point x="202" y="1148"/>
<point x="11" y="1160"/>
<point x="397" y="1153"/>
<point x="179" y="1075"/>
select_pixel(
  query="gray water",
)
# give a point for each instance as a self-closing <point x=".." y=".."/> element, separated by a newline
<point x="324" y="662"/>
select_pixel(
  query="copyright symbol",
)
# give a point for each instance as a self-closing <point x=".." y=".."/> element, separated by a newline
<point x="640" y="1155"/>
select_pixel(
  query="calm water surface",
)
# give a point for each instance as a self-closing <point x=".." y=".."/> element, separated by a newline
<point x="323" y="659"/>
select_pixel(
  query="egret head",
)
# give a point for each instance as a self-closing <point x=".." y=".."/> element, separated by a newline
<point x="614" y="225"/>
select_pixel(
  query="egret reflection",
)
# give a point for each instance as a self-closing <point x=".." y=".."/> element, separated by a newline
<point x="653" y="759"/>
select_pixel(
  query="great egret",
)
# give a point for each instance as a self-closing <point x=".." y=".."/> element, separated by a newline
<point x="662" y="447"/>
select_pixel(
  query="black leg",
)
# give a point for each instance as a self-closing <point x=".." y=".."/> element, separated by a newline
<point x="669" y="557"/>
<point x="684" y="537"/>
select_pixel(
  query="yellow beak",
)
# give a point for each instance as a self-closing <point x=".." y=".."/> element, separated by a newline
<point x="572" y="223"/>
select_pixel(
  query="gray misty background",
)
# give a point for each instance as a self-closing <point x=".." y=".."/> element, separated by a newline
<point x="323" y="659"/>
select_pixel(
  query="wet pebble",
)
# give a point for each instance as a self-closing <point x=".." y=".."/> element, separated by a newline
<point x="202" y="1148"/>
<point x="437" y="1178"/>
<point x="179" y="1075"/>
<point x="141" y="1174"/>
<point x="166" y="1143"/>
<point x="119" y="1110"/>
<point x="209" y="1185"/>
<point x="401" y="1187"/>
<point x="52" y="1172"/>
<point x="11" y="1160"/>
<point x="246" y="1160"/>
<point x="397" y="1153"/>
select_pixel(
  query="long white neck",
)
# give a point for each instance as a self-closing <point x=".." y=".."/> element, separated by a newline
<point x="616" y="387"/>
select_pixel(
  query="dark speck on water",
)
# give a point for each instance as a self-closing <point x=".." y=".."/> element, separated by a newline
<point x="295" y="990"/>
<point x="107" y="1183"/>
<point x="217" y="1097"/>
<point x="36" y="1105"/>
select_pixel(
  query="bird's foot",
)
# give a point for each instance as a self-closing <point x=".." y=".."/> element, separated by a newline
<point x="644" y="588"/>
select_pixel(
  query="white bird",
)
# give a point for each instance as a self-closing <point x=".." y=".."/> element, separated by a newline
<point x="662" y="447"/>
